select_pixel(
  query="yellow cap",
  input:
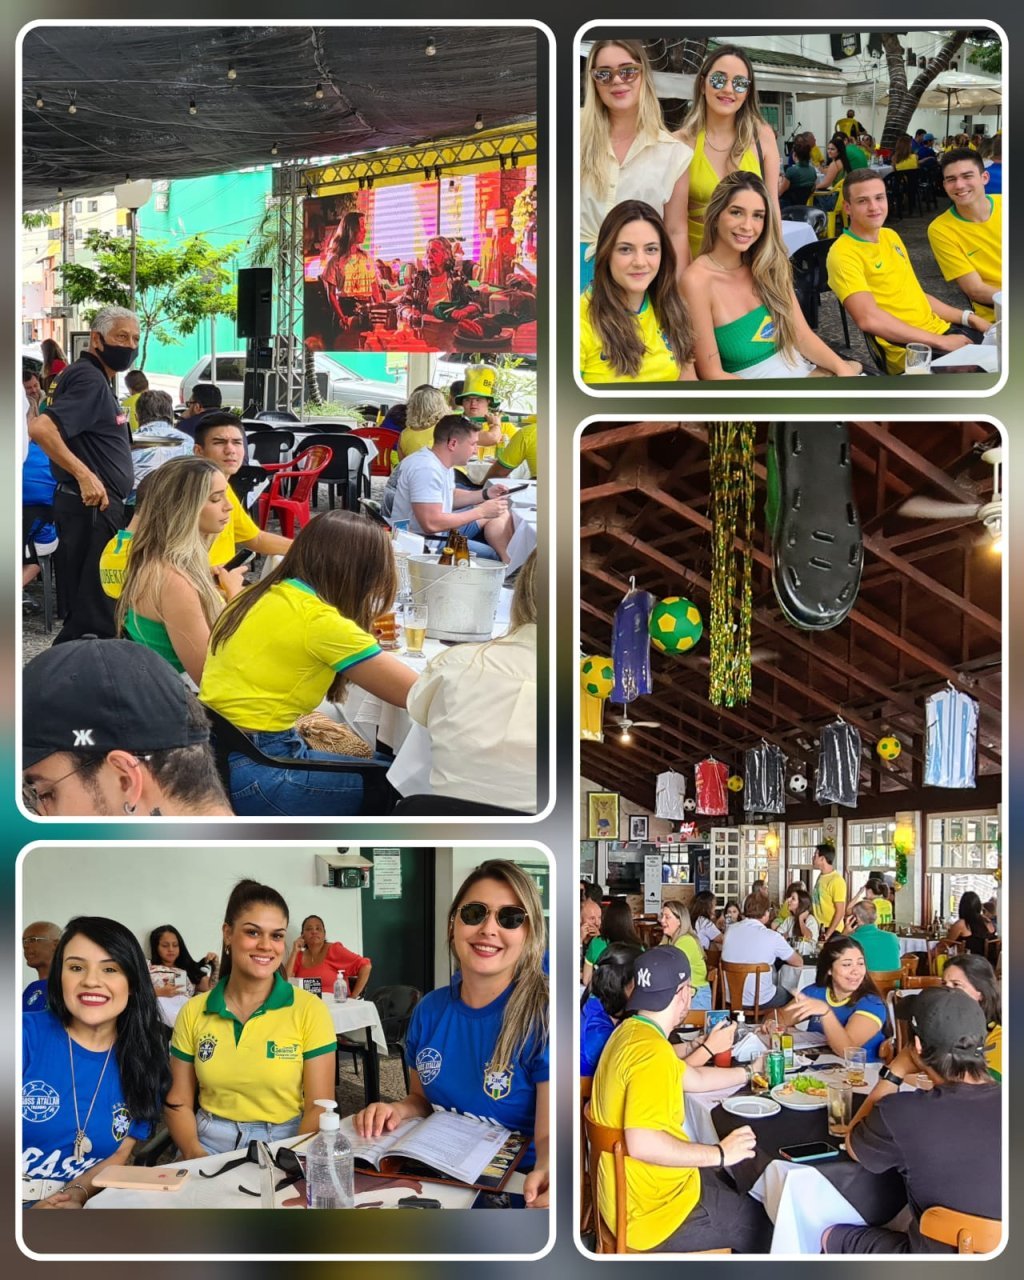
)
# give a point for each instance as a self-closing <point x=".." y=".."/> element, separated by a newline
<point x="480" y="380"/>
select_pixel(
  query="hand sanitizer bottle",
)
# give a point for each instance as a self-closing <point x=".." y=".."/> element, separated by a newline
<point x="340" y="988"/>
<point x="330" y="1177"/>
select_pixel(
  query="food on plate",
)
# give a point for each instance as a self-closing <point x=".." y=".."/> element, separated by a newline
<point x="810" y="1085"/>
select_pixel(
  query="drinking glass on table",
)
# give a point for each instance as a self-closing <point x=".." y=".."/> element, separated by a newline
<point x="840" y="1107"/>
<point x="414" y="620"/>
<point x="919" y="358"/>
<point x="856" y="1067"/>
<point x="386" y="630"/>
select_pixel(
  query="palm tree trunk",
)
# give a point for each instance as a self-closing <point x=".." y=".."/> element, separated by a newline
<point x="903" y="99"/>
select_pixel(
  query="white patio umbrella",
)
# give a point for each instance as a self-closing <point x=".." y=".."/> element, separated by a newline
<point x="969" y="92"/>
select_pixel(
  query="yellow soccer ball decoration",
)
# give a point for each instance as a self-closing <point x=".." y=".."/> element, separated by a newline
<point x="735" y="783"/>
<point x="889" y="748"/>
<point x="676" y="625"/>
<point x="597" y="676"/>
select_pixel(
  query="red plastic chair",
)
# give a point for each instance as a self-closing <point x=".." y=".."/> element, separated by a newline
<point x="385" y="442"/>
<point x="293" y="509"/>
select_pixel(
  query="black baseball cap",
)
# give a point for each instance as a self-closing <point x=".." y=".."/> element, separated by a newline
<point x="95" y="696"/>
<point x="659" y="974"/>
<point x="944" y="1020"/>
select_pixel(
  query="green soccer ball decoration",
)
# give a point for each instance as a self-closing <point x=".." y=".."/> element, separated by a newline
<point x="889" y="748"/>
<point x="597" y="676"/>
<point x="676" y="625"/>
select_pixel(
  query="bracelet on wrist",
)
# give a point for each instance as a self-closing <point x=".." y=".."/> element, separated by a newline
<point x="721" y="1155"/>
<point x="78" y="1186"/>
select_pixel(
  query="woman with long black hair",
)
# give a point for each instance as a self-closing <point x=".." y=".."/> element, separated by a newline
<point x="172" y="968"/>
<point x="94" y="1064"/>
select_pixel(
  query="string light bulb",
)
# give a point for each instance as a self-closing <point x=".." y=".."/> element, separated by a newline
<point x="431" y="48"/>
<point x="60" y="193"/>
<point x="318" y="92"/>
<point x="273" y="149"/>
<point x="72" y="109"/>
<point x="192" y="108"/>
<point x="232" y="73"/>
<point x="39" y="101"/>
<point x="478" y="123"/>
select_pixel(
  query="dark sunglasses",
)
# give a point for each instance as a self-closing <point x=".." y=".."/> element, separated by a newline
<point x="627" y="73"/>
<point x="718" y="80"/>
<point x="473" y="913"/>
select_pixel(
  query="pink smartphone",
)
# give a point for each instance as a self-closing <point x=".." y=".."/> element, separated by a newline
<point x="141" y="1178"/>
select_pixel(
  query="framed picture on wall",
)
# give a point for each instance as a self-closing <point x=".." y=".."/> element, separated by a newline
<point x="638" y="826"/>
<point x="603" y="815"/>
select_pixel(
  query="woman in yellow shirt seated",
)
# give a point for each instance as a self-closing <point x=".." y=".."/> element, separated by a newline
<point x="297" y="637"/>
<point x="633" y="323"/>
<point x="902" y="155"/>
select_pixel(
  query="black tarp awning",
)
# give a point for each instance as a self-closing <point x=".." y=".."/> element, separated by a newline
<point x="132" y="87"/>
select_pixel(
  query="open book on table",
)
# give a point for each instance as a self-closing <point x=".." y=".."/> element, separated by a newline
<point x="443" y="1147"/>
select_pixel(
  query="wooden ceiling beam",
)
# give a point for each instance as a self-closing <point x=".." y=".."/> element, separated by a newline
<point x="883" y="436"/>
<point x="623" y="433"/>
<point x="911" y="572"/>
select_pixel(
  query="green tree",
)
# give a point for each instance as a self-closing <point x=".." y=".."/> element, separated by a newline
<point x="177" y="286"/>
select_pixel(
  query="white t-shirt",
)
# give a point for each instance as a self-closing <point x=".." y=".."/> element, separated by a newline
<point x="707" y="931"/>
<point x="751" y="942"/>
<point x="422" y="477"/>
<point x="670" y="792"/>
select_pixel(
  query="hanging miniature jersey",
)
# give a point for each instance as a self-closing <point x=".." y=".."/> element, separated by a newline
<point x="631" y="647"/>
<point x="838" y="765"/>
<point x="711" y="778"/>
<point x="764" y="779"/>
<point x="669" y="794"/>
<point x="951" y="739"/>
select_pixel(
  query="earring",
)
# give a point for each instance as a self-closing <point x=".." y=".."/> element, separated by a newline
<point x="129" y="809"/>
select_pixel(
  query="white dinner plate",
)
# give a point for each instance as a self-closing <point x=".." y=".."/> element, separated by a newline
<point x="797" y="1101"/>
<point x="751" y="1108"/>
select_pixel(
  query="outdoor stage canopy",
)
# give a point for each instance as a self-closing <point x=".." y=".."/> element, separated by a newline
<point x="133" y="89"/>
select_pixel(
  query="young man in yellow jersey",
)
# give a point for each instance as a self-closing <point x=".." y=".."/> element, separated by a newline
<point x="967" y="239"/>
<point x="829" y="896"/>
<point x="870" y="272"/>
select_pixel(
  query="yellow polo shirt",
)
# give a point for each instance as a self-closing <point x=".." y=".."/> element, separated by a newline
<point x="829" y="889"/>
<point x="283" y="658"/>
<point x="659" y="364"/>
<point x="961" y="247"/>
<point x="639" y="1085"/>
<point x="884" y="271"/>
<point x="521" y="448"/>
<point x="252" y="1071"/>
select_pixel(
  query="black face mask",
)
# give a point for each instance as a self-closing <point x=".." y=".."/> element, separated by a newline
<point x="118" y="359"/>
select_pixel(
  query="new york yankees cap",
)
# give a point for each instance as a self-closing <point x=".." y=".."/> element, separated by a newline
<point x="95" y="696"/>
<point x="659" y="974"/>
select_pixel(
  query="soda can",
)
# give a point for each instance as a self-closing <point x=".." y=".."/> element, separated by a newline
<point x="776" y="1068"/>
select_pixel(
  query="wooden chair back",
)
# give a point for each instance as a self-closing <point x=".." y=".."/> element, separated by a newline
<point x="713" y="979"/>
<point x="603" y="1140"/>
<point x="961" y="1231"/>
<point x="586" y="1201"/>
<point x="993" y="951"/>
<point x="734" y="976"/>
<point x="886" y="980"/>
<point x="908" y="964"/>
<point x="919" y="984"/>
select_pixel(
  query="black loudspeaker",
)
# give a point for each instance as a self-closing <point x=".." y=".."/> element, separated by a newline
<point x="255" y="286"/>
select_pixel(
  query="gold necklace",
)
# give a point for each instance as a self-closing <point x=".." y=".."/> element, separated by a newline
<point x="82" y="1144"/>
<point x="721" y="267"/>
<point x="709" y="143"/>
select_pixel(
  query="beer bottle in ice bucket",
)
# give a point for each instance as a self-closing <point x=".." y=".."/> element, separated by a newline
<point x="462" y="552"/>
<point x="447" y="555"/>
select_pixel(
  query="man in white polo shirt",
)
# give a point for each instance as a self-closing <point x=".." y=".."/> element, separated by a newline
<point x="750" y="941"/>
<point x="426" y="496"/>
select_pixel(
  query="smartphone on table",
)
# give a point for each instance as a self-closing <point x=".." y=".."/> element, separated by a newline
<point x="807" y="1152"/>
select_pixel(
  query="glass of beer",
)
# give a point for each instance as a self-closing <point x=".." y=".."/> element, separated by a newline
<point x="856" y="1061"/>
<point x="386" y="629"/>
<point x="840" y="1107"/>
<point x="919" y="358"/>
<point x="415" y="623"/>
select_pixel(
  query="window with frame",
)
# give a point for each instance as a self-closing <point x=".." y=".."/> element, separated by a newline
<point x="869" y="852"/>
<point x="801" y="840"/>
<point x="962" y="856"/>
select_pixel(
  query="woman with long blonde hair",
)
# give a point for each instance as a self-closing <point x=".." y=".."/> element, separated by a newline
<point x="678" y="931"/>
<point x="169" y="601"/>
<point x="726" y="130"/>
<point x="295" y="638"/>
<point x="492" y="758"/>
<point x="634" y="326"/>
<point x="480" y="1044"/>
<point x="739" y="290"/>
<point x="626" y="153"/>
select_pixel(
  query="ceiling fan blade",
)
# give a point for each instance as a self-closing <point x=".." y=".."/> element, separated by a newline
<point x="933" y="509"/>
<point x="646" y="724"/>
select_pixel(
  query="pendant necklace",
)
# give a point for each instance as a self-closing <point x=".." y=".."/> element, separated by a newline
<point x="82" y="1143"/>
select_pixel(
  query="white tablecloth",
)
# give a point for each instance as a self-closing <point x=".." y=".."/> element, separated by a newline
<point x="355" y="1015"/>
<point x="793" y="979"/>
<point x="909" y="945"/>
<point x="524" y="517"/>
<point x="170" y="1007"/>
<point x="223" y="1193"/>
<point x="796" y="235"/>
<point x="986" y="358"/>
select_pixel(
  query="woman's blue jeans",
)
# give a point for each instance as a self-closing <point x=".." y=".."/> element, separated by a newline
<point x="257" y="790"/>
<point x="217" y="1134"/>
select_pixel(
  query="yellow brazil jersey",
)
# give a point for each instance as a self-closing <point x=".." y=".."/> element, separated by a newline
<point x="883" y="911"/>
<point x="411" y="441"/>
<point x="252" y="1071"/>
<point x="829" y="889"/>
<point x="659" y="364"/>
<point x="884" y="271"/>
<point x="131" y="404"/>
<point x="994" y="1050"/>
<point x="961" y="247"/>
<point x="521" y="448"/>
<point x="639" y="1085"/>
<point x="114" y="563"/>
<point x="283" y="658"/>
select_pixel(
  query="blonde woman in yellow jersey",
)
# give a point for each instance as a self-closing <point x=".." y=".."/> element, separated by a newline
<point x="726" y="130"/>
<point x="633" y="322"/>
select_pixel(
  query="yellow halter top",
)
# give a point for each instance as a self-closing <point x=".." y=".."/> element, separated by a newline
<point x="703" y="180"/>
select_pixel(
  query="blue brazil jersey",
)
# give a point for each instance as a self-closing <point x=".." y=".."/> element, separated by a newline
<point x="450" y="1046"/>
<point x="33" y="998"/>
<point x="872" y="1006"/>
<point x="48" y="1109"/>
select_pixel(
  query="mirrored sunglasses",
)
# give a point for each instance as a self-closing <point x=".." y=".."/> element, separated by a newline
<point x="718" y="80"/>
<point x="627" y="73"/>
<point x="474" y="913"/>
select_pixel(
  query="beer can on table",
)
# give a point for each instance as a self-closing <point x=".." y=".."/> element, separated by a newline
<point x="776" y="1068"/>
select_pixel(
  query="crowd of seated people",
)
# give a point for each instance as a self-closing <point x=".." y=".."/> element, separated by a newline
<point x="637" y="1071"/>
<point x="718" y="302"/>
<point x="252" y="992"/>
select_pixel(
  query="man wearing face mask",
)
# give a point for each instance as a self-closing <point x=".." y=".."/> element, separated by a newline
<point x="84" y="432"/>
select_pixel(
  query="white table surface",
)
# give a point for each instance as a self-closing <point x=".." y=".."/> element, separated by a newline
<point x="524" y="518"/>
<point x="796" y="235"/>
<point x="356" y="1015"/>
<point x="985" y="357"/>
<point x="223" y="1193"/>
